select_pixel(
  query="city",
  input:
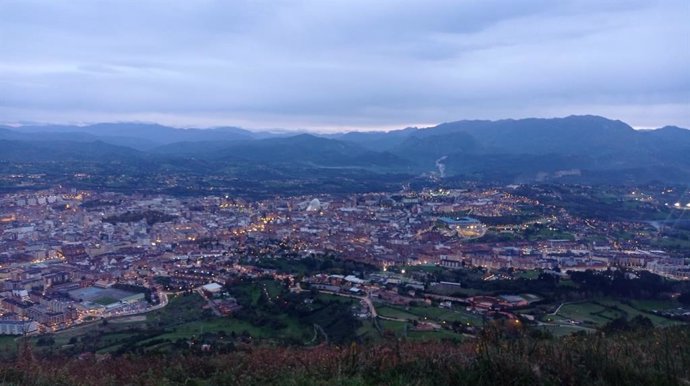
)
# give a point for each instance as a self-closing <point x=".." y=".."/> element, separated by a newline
<point x="72" y="257"/>
<point x="344" y="193"/>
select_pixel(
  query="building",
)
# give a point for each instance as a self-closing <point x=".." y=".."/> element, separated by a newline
<point x="17" y="327"/>
<point x="212" y="288"/>
<point x="466" y="227"/>
<point x="451" y="261"/>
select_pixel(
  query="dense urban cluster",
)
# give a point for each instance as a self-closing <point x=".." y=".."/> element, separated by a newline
<point x="69" y="257"/>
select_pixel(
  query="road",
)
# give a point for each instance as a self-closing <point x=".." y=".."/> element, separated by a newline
<point x="557" y="309"/>
<point x="365" y="299"/>
<point x="563" y="304"/>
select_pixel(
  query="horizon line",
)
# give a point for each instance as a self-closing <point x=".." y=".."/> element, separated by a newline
<point x="326" y="129"/>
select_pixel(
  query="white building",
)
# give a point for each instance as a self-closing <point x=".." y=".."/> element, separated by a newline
<point x="17" y="327"/>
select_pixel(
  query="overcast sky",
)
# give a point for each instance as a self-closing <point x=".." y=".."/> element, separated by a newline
<point x="332" y="65"/>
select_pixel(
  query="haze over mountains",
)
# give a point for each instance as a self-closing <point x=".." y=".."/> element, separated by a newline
<point x="575" y="148"/>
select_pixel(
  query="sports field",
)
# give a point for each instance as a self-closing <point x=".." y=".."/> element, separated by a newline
<point x="102" y="296"/>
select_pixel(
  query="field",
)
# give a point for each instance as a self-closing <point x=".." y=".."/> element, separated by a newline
<point x="530" y="274"/>
<point x="587" y="313"/>
<point x="399" y="321"/>
<point x="102" y="296"/>
<point x="595" y="314"/>
<point x="105" y="300"/>
<point x="431" y="313"/>
<point x="394" y="312"/>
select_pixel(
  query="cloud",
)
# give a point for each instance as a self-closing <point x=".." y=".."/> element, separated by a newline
<point x="343" y="64"/>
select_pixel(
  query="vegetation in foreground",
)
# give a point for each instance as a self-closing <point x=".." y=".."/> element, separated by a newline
<point x="503" y="354"/>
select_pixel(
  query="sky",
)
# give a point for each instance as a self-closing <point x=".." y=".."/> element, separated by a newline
<point x="343" y="65"/>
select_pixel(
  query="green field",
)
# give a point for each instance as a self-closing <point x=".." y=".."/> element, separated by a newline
<point x="397" y="328"/>
<point x="651" y="305"/>
<point x="529" y="275"/>
<point x="599" y="312"/>
<point x="336" y="298"/>
<point x="590" y="314"/>
<point x="394" y="312"/>
<point x="105" y="300"/>
<point x="644" y="308"/>
<point x="406" y="330"/>
<point x="428" y="312"/>
<point x="368" y="331"/>
<point x="8" y="345"/>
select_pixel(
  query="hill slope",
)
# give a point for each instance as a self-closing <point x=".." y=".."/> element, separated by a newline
<point x="648" y="357"/>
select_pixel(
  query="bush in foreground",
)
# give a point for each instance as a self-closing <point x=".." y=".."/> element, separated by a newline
<point x="498" y="356"/>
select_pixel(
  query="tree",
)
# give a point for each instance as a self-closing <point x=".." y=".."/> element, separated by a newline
<point x="641" y="322"/>
<point x="684" y="298"/>
<point x="45" y="341"/>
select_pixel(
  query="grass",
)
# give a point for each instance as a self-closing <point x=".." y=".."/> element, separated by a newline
<point x="429" y="312"/>
<point x="393" y="326"/>
<point x="650" y="305"/>
<point x="336" y="298"/>
<point x="597" y="313"/>
<point x="180" y="309"/>
<point x="253" y="291"/>
<point x="448" y="315"/>
<point x="8" y="345"/>
<point x="631" y="311"/>
<point x="274" y="288"/>
<point x="585" y="312"/>
<point x="368" y="331"/>
<point x="567" y="283"/>
<point x="529" y="275"/>
<point x="197" y="328"/>
<point x="105" y="300"/>
<point x="394" y="312"/>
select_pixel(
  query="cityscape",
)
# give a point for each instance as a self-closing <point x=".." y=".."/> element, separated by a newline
<point x="72" y="257"/>
<point x="344" y="193"/>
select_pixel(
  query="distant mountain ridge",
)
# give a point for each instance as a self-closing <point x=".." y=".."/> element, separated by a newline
<point x="139" y="135"/>
<point x="574" y="148"/>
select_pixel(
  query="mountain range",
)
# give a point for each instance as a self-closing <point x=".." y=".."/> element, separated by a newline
<point x="571" y="149"/>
